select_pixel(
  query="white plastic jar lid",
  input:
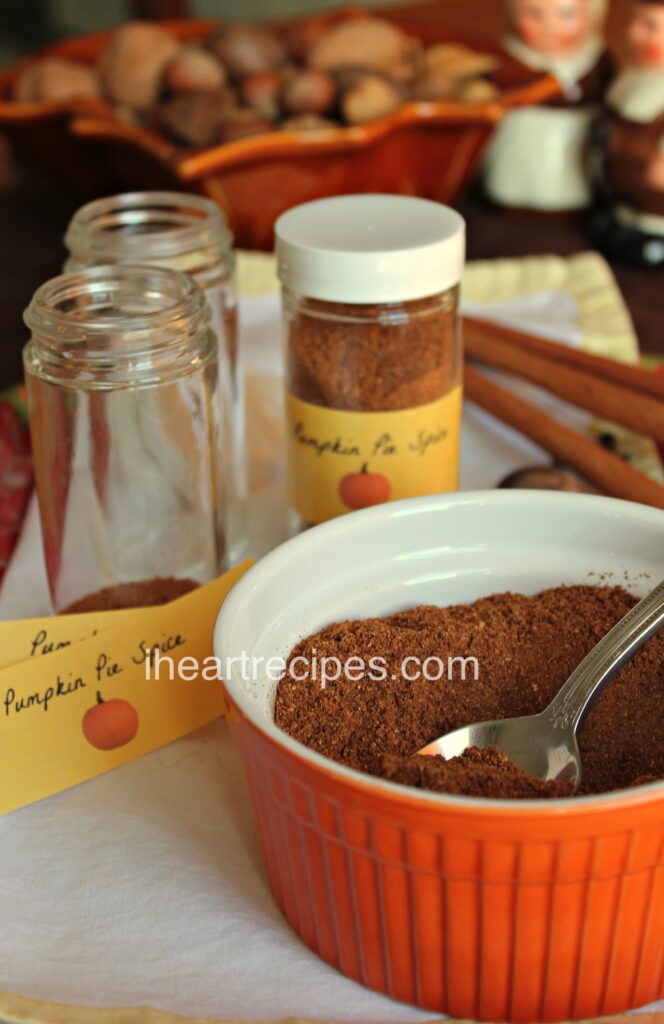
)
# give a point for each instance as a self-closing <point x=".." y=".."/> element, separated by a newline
<point x="370" y="248"/>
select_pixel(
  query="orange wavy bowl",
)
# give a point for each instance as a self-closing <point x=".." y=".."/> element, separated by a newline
<point x="429" y="149"/>
<point x="482" y="909"/>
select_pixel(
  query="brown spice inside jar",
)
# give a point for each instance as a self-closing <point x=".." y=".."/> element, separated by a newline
<point x="370" y="358"/>
<point x="526" y="647"/>
<point x="139" y="594"/>
<point x="231" y="332"/>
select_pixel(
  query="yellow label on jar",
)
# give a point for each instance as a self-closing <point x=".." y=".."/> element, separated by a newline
<point x="339" y="461"/>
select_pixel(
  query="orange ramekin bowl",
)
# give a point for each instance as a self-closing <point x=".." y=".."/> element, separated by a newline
<point x="493" y="910"/>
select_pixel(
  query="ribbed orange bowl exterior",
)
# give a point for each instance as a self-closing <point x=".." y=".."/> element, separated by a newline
<point x="496" y="915"/>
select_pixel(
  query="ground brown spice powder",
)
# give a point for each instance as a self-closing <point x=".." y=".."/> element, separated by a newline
<point x="476" y="772"/>
<point x="141" y="594"/>
<point x="526" y="648"/>
<point x="370" y="358"/>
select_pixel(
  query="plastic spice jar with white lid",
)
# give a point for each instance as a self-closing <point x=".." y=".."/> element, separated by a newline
<point x="370" y="287"/>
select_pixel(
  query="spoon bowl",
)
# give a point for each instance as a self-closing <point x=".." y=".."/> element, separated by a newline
<point x="527" y="741"/>
<point x="545" y="745"/>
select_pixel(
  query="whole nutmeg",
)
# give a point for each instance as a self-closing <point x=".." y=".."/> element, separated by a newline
<point x="247" y="49"/>
<point x="262" y="92"/>
<point x="307" y="123"/>
<point x="309" y="92"/>
<point x="547" y="478"/>
<point x="436" y="84"/>
<point x="194" y="69"/>
<point x="478" y="90"/>
<point x="195" y="118"/>
<point x="443" y="53"/>
<point x="128" y="116"/>
<point x="369" y="98"/>
<point x="460" y="61"/>
<point x="289" y="70"/>
<point x="411" y="63"/>
<point x="242" y="123"/>
<point x="363" y="42"/>
<point x="57" y="81"/>
<point x="132" y="64"/>
<point x="302" y="35"/>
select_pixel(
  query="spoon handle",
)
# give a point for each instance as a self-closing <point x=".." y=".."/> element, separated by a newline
<point x="585" y="684"/>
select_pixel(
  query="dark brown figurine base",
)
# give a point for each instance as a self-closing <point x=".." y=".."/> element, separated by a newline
<point x="625" y="244"/>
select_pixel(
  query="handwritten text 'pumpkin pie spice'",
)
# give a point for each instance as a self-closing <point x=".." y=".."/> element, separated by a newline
<point x="373" y="350"/>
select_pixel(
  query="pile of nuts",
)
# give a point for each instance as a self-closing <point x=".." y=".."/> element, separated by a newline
<point x="245" y="79"/>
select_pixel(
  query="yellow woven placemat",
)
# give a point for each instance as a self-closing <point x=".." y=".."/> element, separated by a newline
<point x="604" y="321"/>
<point x="21" y="1010"/>
<point x="603" y="316"/>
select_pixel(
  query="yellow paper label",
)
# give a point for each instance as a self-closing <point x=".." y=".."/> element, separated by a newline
<point x="339" y="461"/>
<point x="80" y="693"/>
<point x="29" y="638"/>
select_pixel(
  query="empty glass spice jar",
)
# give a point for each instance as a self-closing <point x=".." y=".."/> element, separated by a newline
<point x="187" y="233"/>
<point x="125" y="410"/>
<point x="370" y="287"/>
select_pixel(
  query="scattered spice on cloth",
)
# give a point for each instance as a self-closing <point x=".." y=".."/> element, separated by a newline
<point x="140" y="594"/>
<point x="526" y="647"/>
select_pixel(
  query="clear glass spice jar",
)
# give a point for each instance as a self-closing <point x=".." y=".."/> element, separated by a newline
<point x="370" y="287"/>
<point x="188" y="233"/>
<point x="125" y="414"/>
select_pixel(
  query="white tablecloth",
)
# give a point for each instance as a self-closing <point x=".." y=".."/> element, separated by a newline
<point x="144" y="886"/>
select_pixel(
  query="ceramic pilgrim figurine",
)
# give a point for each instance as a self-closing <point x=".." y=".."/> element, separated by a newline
<point x="633" y="228"/>
<point x="538" y="156"/>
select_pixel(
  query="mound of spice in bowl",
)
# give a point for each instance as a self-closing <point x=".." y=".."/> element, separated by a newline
<point x="411" y="677"/>
<point x="373" y="350"/>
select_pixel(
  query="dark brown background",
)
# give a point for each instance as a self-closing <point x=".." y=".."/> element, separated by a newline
<point x="489" y="16"/>
<point x="34" y="212"/>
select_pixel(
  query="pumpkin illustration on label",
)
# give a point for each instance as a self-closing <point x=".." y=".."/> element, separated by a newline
<point x="360" y="490"/>
<point x="110" y="723"/>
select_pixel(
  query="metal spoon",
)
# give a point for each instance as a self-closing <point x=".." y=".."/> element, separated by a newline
<point x="545" y="745"/>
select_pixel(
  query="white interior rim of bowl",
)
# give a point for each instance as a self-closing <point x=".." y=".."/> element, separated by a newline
<point x="558" y="806"/>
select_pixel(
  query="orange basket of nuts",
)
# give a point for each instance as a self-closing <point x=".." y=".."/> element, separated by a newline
<point x="260" y="118"/>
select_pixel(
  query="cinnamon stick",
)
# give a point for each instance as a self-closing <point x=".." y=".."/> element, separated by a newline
<point x="617" y="402"/>
<point x="610" y="369"/>
<point x="607" y="471"/>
